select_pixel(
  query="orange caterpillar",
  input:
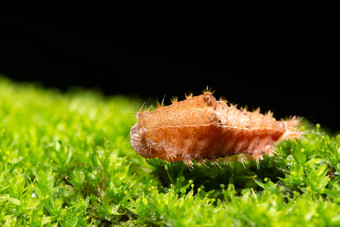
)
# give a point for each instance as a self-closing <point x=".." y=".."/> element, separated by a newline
<point x="203" y="128"/>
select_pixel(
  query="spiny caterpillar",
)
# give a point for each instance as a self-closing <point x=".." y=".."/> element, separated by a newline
<point x="202" y="128"/>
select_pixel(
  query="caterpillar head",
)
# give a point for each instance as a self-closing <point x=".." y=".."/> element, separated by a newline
<point x="138" y="143"/>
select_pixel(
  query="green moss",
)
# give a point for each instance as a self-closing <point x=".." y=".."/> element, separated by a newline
<point x="65" y="159"/>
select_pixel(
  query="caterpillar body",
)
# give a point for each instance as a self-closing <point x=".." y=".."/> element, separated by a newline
<point x="202" y="128"/>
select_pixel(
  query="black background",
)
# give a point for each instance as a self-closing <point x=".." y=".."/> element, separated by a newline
<point x="281" y="64"/>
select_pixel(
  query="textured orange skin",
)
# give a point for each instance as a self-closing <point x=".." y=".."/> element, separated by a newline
<point x="201" y="128"/>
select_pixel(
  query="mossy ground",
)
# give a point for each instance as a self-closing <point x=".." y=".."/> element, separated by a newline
<point x="65" y="160"/>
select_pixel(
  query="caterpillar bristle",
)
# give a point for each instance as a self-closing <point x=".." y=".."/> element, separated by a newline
<point x="208" y="90"/>
<point x="227" y="160"/>
<point x="245" y="108"/>
<point x="170" y="156"/>
<point x="223" y="99"/>
<point x="215" y="163"/>
<point x="174" y="100"/>
<point x="269" y="113"/>
<point x="189" y="163"/>
<point x="203" y="162"/>
<point x="188" y="96"/>
<point x="257" y="110"/>
<point x="293" y="121"/>
<point x="235" y="105"/>
<point x="159" y="105"/>
<point x="142" y="108"/>
<point x="272" y="152"/>
<point x="258" y="159"/>
<point x="242" y="158"/>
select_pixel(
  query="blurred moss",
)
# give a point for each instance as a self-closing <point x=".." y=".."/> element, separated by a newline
<point x="65" y="159"/>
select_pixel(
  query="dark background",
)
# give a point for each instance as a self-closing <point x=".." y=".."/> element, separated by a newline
<point x="287" y="66"/>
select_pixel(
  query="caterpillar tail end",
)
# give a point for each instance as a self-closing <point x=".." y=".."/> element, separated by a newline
<point x="290" y="129"/>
